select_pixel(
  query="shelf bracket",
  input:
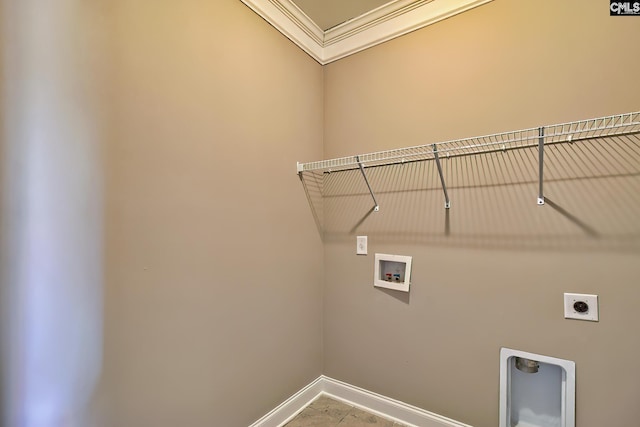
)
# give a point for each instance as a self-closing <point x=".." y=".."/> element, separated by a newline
<point x="376" y="207"/>
<point x="540" y="165"/>
<point x="447" y="203"/>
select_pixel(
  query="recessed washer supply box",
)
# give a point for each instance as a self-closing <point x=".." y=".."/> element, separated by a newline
<point x="392" y="272"/>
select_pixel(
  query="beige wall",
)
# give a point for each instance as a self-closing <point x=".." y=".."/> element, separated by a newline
<point x="498" y="278"/>
<point x="51" y="210"/>
<point x="213" y="263"/>
<point x="3" y="294"/>
<point x="151" y="189"/>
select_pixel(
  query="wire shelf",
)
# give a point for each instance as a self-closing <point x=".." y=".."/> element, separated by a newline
<point x="570" y="132"/>
<point x="477" y="191"/>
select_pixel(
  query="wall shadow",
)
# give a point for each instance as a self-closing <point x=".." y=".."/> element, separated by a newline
<point x="403" y="297"/>
<point x="590" y="191"/>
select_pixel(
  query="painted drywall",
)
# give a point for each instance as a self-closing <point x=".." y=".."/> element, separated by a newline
<point x="151" y="172"/>
<point x="213" y="265"/>
<point x="3" y="248"/>
<point x="498" y="277"/>
<point x="51" y="211"/>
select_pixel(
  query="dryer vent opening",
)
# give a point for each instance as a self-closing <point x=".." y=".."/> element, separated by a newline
<point x="527" y="365"/>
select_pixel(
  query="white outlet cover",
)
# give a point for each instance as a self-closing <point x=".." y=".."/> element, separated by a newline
<point x="570" y="312"/>
<point x="361" y="245"/>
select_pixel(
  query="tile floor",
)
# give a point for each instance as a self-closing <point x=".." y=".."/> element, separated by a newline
<point x="327" y="412"/>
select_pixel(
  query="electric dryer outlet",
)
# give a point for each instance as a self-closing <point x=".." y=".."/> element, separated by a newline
<point x="581" y="307"/>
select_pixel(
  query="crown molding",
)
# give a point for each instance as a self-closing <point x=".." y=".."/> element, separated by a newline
<point x="384" y="23"/>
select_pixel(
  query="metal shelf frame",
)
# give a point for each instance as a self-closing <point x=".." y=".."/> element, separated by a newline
<point x="570" y="132"/>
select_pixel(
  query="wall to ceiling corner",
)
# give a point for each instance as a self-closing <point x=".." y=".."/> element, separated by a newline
<point x="504" y="66"/>
<point x="213" y="298"/>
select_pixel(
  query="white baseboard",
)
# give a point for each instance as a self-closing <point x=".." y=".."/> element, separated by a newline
<point x="288" y="409"/>
<point x="356" y="396"/>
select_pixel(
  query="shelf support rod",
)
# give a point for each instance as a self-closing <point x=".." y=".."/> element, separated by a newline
<point x="540" y="165"/>
<point x="447" y="203"/>
<point x="376" y="208"/>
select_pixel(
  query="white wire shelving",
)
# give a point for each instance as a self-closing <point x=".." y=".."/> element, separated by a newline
<point x="564" y="132"/>
<point x="570" y="132"/>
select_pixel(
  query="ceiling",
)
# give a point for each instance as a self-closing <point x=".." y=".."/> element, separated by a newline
<point x="329" y="30"/>
<point x="329" y="13"/>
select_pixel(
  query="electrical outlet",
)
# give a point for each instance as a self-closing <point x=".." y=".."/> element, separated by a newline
<point x="361" y="245"/>
<point x="581" y="307"/>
